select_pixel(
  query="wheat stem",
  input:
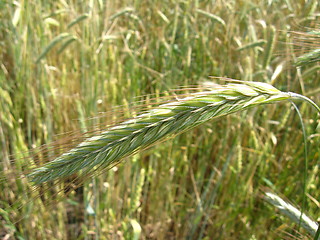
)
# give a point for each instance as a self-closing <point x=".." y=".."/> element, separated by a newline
<point x="304" y="98"/>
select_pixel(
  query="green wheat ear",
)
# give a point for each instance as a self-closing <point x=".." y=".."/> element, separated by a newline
<point x="307" y="58"/>
<point x="112" y="145"/>
<point x="314" y="54"/>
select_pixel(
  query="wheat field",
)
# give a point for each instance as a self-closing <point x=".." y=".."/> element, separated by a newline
<point x="71" y="70"/>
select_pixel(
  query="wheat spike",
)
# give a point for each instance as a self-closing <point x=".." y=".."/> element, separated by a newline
<point x="128" y="137"/>
<point x="293" y="213"/>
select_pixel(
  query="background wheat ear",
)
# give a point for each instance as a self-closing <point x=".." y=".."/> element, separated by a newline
<point x="311" y="41"/>
<point x="292" y="212"/>
<point x="112" y="145"/>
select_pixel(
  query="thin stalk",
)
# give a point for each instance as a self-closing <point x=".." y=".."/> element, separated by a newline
<point x="305" y="170"/>
<point x="301" y="97"/>
<point x="317" y="236"/>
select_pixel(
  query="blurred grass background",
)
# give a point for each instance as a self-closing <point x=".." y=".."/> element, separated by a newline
<point x="66" y="60"/>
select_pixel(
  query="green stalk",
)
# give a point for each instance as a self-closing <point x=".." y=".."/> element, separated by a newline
<point x="304" y="98"/>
